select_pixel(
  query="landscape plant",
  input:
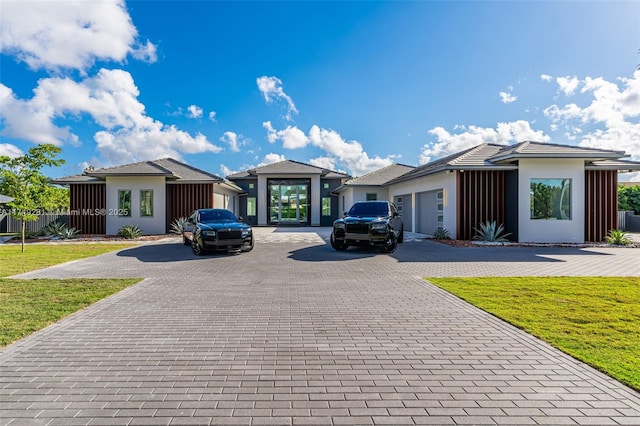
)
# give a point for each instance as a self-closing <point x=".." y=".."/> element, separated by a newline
<point x="177" y="226"/>
<point x="491" y="232"/>
<point x="441" y="234"/>
<point x="617" y="237"/>
<point x="129" y="232"/>
<point x="629" y="198"/>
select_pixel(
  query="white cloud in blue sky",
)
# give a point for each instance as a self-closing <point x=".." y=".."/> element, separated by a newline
<point x="376" y="86"/>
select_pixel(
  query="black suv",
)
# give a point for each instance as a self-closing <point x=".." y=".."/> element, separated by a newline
<point x="369" y="223"/>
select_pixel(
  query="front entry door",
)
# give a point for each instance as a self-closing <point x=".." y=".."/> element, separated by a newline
<point x="289" y="203"/>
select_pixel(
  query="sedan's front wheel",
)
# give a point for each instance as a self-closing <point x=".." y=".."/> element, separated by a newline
<point x="247" y="248"/>
<point x="197" y="248"/>
<point x="336" y="245"/>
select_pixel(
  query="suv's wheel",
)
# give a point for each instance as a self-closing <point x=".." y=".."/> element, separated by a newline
<point x="401" y="236"/>
<point x="336" y="245"/>
<point x="186" y="241"/>
<point x="390" y="244"/>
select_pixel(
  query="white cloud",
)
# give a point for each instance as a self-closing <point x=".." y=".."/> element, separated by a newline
<point x="271" y="158"/>
<point x="568" y="85"/>
<point x="11" y="151"/>
<point x="194" y="111"/>
<point x="609" y="121"/>
<point x="271" y="89"/>
<point x="507" y="97"/>
<point x="212" y="116"/>
<point x="110" y="99"/>
<point x="546" y="77"/>
<point x="291" y="137"/>
<point x="58" y="35"/>
<point x="504" y="133"/>
<point x="324" y="162"/>
<point x="233" y="140"/>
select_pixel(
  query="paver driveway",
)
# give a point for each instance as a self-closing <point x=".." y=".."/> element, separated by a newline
<point x="296" y="333"/>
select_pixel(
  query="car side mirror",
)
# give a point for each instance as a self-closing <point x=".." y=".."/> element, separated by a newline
<point x="240" y="219"/>
<point x="396" y="214"/>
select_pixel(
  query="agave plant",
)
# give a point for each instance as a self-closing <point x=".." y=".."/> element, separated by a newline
<point x="69" y="233"/>
<point x="54" y="229"/>
<point x="441" y="234"/>
<point x="129" y="232"/>
<point x="491" y="232"/>
<point x="177" y="226"/>
<point x="617" y="237"/>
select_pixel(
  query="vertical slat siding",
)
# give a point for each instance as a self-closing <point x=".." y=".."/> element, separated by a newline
<point x="481" y="198"/>
<point x="601" y="203"/>
<point x="87" y="204"/>
<point x="183" y="198"/>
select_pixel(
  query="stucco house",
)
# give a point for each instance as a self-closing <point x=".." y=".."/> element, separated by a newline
<point x="148" y="194"/>
<point x="541" y="192"/>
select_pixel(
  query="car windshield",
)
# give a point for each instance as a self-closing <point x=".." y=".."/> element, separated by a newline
<point x="208" y="216"/>
<point x="369" y="209"/>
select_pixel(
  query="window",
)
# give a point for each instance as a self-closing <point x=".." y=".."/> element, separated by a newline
<point x="251" y="206"/>
<point x="550" y="199"/>
<point x="372" y="197"/>
<point x="146" y="202"/>
<point x="124" y="202"/>
<point x="326" y="185"/>
<point x="326" y="206"/>
<point x="251" y="186"/>
<point x="440" y="195"/>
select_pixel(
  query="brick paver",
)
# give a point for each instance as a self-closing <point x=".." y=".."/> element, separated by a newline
<point x="296" y="333"/>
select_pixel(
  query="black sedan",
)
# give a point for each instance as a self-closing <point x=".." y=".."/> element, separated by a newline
<point x="217" y="230"/>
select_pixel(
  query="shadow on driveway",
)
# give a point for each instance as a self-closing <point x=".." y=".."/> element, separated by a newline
<point x="428" y="251"/>
<point x="168" y="252"/>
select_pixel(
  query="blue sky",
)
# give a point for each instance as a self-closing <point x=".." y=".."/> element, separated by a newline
<point x="350" y="86"/>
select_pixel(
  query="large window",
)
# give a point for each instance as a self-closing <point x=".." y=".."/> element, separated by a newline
<point x="372" y="196"/>
<point x="550" y="199"/>
<point x="146" y="202"/>
<point x="124" y="202"/>
<point x="251" y="206"/>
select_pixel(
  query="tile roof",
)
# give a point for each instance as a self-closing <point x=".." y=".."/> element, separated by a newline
<point x="530" y="149"/>
<point x="380" y="176"/>
<point x="288" y="167"/>
<point x="167" y="167"/>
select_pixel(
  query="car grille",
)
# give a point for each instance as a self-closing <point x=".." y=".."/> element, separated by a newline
<point x="229" y="235"/>
<point x="357" y="228"/>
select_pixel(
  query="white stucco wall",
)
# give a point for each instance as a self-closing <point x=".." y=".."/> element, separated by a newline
<point x="445" y="181"/>
<point x="225" y="198"/>
<point x="551" y="230"/>
<point x="151" y="225"/>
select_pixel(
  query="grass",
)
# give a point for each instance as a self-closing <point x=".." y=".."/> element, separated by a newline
<point x="37" y="256"/>
<point x="27" y="306"/>
<point x="593" y="319"/>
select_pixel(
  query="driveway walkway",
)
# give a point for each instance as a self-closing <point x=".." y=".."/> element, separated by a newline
<point x="296" y="333"/>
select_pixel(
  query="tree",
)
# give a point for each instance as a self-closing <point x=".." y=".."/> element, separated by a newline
<point x="21" y="178"/>
<point x="629" y="198"/>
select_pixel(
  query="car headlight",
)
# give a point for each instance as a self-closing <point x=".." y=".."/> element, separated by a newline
<point x="339" y="225"/>
<point x="209" y="233"/>
<point x="379" y="226"/>
<point x="246" y="232"/>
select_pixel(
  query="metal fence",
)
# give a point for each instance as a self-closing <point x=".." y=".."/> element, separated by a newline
<point x="9" y="224"/>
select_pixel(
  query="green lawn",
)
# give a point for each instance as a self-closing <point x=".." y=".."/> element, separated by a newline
<point x="30" y="305"/>
<point x="594" y="319"/>
<point x="37" y="256"/>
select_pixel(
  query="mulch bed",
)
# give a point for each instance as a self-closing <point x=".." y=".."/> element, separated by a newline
<point x="92" y="238"/>
<point x="468" y="243"/>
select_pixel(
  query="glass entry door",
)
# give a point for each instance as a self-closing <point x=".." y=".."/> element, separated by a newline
<point x="289" y="202"/>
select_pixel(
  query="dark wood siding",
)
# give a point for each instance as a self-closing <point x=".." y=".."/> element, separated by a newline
<point x="183" y="198"/>
<point x="601" y="203"/>
<point x="88" y="203"/>
<point x="480" y="197"/>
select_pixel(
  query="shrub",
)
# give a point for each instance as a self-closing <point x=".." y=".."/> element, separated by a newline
<point x="69" y="233"/>
<point x="177" y="226"/>
<point x="54" y="229"/>
<point x="441" y="234"/>
<point x="129" y="232"/>
<point x="617" y="237"/>
<point x="491" y="233"/>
